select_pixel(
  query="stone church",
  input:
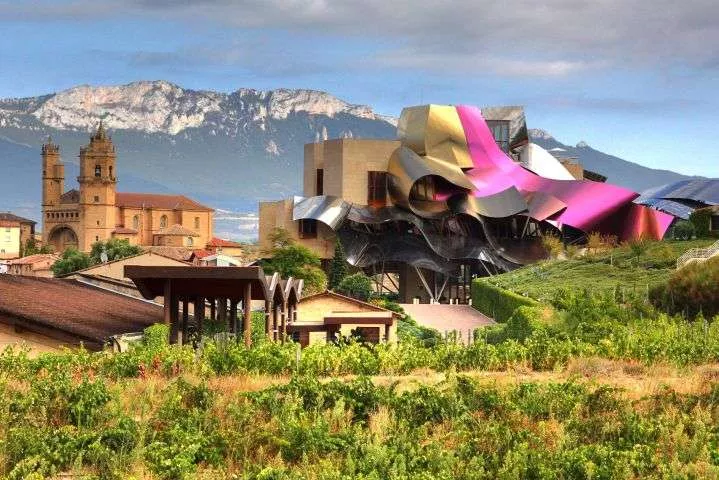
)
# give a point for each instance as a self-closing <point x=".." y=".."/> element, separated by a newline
<point x="98" y="212"/>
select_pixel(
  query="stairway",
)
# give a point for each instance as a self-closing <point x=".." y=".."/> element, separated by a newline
<point x="698" y="254"/>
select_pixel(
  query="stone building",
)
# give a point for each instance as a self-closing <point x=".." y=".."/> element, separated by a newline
<point x="98" y="212"/>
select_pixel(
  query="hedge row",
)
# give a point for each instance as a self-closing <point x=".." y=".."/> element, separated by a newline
<point x="496" y="302"/>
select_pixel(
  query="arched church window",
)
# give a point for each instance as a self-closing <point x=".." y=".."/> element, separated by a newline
<point x="197" y="223"/>
<point x="98" y="170"/>
<point x="110" y="168"/>
<point x="163" y="221"/>
<point x="136" y="222"/>
<point x="189" y="241"/>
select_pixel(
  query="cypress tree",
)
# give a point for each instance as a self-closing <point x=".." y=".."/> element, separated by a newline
<point x="338" y="266"/>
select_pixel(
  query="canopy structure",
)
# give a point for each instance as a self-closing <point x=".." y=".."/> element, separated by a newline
<point x="225" y="290"/>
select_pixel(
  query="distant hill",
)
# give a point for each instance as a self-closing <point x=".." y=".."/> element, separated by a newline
<point x="228" y="150"/>
<point x="618" y="171"/>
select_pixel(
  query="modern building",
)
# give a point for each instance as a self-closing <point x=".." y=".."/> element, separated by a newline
<point x="15" y="231"/>
<point x="98" y="212"/>
<point x="461" y="193"/>
<point x="683" y="197"/>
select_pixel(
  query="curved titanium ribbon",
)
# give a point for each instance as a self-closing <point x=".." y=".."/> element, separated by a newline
<point x="449" y="167"/>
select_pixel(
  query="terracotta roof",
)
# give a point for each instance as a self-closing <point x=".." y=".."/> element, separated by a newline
<point x="9" y="224"/>
<point x="9" y="217"/>
<point x="68" y="307"/>
<point x="125" y="231"/>
<point x="154" y="200"/>
<point x="328" y="293"/>
<point x="219" y="242"/>
<point x="176" y="253"/>
<point x="30" y="259"/>
<point x="177" y="230"/>
<point x="200" y="253"/>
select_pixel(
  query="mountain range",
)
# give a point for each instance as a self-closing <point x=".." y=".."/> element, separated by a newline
<point x="229" y="150"/>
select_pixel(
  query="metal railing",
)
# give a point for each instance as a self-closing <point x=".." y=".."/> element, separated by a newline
<point x="698" y="254"/>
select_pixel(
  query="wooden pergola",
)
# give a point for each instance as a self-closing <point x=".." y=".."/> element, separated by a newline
<point x="226" y="290"/>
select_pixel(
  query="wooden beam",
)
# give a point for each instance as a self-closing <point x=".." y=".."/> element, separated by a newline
<point x="247" y="307"/>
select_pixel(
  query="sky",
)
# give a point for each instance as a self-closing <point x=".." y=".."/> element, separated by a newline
<point x="633" y="78"/>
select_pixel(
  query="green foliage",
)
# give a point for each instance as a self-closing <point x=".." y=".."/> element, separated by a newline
<point x="116" y="249"/>
<point x="521" y="325"/>
<point x="31" y="248"/>
<point x="495" y="302"/>
<point x="72" y="260"/>
<point x="691" y="290"/>
<point x="297" y="261"/>
<point x="553" y="245"/>
<point x="601" y="272"/>
<point x="683" y="230"/>
<point x="701" y="219"/>
<point x="357" y="286"/>
<point x="338" y="266"/>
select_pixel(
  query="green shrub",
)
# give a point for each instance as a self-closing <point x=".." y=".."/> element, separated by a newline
<point x="683" y="230"/>
<point x="496" y="302"/>
<point x="691" y="290"/>
<point x="701" y="219"/>
<point x="357" y="286"/>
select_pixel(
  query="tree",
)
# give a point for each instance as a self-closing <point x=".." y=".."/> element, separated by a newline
<point x="116" y="249"/>
<point x="297" y="261"/>
<point x="701" y="219"/>
<point x="31" y="248"/>
<point x="683" y="230"/>
<point x="357" y="286"/>
<point x="72" y="260"/>
<point x="338" y="267"/>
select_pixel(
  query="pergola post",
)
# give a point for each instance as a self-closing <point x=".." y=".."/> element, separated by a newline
<point x="174" y="318"/>
<point x="247" y="307"/>
<point x="222" y="312"/>
<point x="213" y="309"/>
<point x="233" y="316"/>
<point x="283" y="321"/>
<point x="199" y="315"/>
<point x="268" y="325"/>
<point x="275" y="321"/>
<point x="185" y="319"/>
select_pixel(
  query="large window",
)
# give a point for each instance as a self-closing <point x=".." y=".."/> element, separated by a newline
<point x="500" y="132"/>
<point x="136" y="222"/>
<point x="98" y="171"/>
<point x="163" y="221"/>
<point x="320" y="187"/>
<point x="197" y="223"/>
<point x="308" y="228"/>
<point x="376" y="189"/>
<point x="423" y="189"/>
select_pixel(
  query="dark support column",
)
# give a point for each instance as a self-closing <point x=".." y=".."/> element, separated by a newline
<point x="275" y="320"/>
<point x="222" y="312"/>
<point x="185" y="318"/>
<point x="268" y="325"/>
<point x="166" y="302"/>
<point x="199" y="314"/>
<point x="247" y="306"/>
<point x="213" y="309"/>
<point x="286" y="316"/>
<point x="386" y="333"/>
<point x="174" y="318"/>
<point x="233" y="316"/>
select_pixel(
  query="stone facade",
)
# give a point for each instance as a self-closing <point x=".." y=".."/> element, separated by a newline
<point x="97" y="212"/>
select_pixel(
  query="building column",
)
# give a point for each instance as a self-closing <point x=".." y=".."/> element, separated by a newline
<point x="247" y="306"/>
<point x="174" y="318"/>
<point x="275" y="320"/>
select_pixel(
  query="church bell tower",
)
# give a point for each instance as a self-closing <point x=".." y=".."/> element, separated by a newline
<point x="98" y="186"/>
